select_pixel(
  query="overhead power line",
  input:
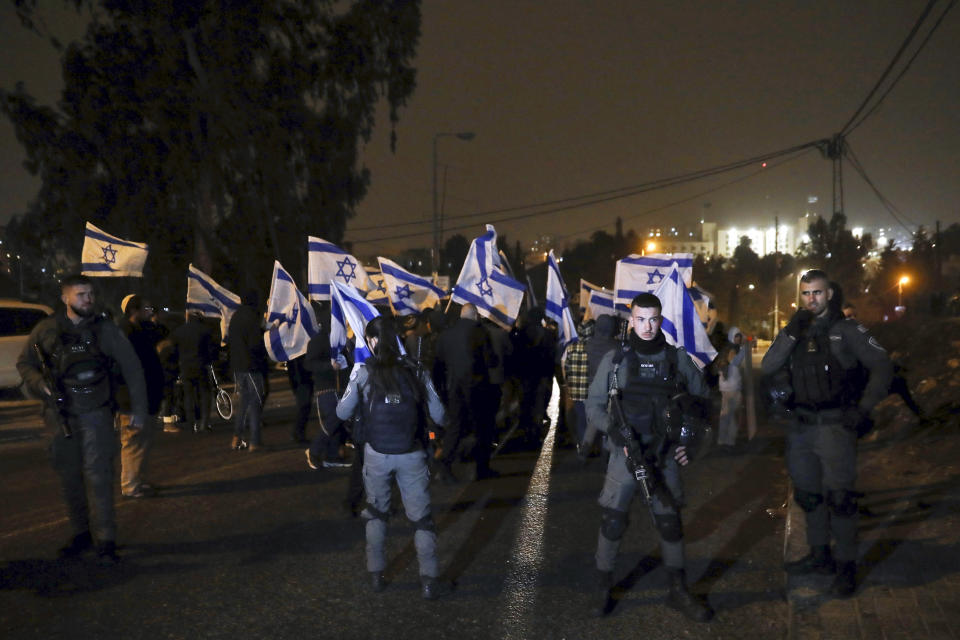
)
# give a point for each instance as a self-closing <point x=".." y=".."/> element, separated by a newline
<point x="600" y="196"/>
<point x="893" y="63"/>
<point x="906" y="67"/>
<point x="887" y="204"/>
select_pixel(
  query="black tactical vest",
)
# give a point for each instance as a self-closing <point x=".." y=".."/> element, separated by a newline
<point x="392" y="422"/>
<point x="83" y="370"/>
<point x="649" y="385"/>
<point x="819" y="380"/>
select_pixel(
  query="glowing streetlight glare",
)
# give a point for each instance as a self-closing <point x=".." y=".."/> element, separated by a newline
<point x="904" y="280"/>
<point x="651" y="246"/>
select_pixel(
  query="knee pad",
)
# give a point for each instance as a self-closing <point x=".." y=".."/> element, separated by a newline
<point x="669" y="526"/>
<point x="842" y="502"/>
<point x="807" y="501"/>
<point x="425" y="524"/>
<point x="613" y="524"/>
<point x="370" y="513"/>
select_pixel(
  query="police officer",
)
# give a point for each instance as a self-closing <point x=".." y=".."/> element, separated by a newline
<point x="644" y="374"/>
<point x="393" y="404"/>
<point x="80" y="349"/>
<point x="824" y="355"/>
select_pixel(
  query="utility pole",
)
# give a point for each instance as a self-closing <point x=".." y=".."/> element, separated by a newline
<point x="776" y="275"/>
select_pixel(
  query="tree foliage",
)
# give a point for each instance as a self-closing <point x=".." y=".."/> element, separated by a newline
<point x="222" y="133"/>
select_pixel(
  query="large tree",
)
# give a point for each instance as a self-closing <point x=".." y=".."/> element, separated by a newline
<point x="221" y="133"/>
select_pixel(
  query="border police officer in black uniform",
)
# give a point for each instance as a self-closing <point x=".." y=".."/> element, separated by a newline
<point x="645" y="375"/>
<point x="80" y="350"/>
<point x="394" y="401"/>
<point x="824" y="356"/>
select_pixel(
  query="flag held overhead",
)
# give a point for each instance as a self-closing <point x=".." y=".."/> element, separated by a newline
<point x="107" y="256"/>
<point x="290" y="316"/>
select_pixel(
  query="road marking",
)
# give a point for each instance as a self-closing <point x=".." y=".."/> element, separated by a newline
<point x="520" y="587"/>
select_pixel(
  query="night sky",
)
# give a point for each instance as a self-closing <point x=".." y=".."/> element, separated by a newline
<point x="569" y="98"/>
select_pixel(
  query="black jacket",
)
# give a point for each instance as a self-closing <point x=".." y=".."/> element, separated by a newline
<point x="245" y="339"/>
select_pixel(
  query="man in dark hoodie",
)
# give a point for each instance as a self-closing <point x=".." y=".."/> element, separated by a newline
<point x="462" y="367"/>
<point x="248" y="359"/>
<point x="196" y="349"/>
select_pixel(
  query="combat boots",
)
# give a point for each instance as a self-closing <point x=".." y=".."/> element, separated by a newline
<point x="433" y="588"/>
<point x="846" y="581"/>
<point x="680" y="599"/>
<point x="604" y="582"/>
<point x="819" y="560"/>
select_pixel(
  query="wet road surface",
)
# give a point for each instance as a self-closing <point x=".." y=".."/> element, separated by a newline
<point x="256" y="545"/>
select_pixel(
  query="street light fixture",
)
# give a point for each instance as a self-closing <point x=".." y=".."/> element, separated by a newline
<point x="466" y="136"/>
<point x="902" y="281"/>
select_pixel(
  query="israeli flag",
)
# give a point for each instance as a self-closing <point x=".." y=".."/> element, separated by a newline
<point x="558" y="304"/>
<point x="701" y="300"/>
<point x="205" y="296"/>
<point x="107" y="256"/>
<point x="585" y="289"/>
<point x="483" y="283"/>
<point x="327" y="262"/>
<point x="601" y="304"/>
<point x="643" y="274"/>
<point x="349" y="310"/>
<point x="409" y="293"/>
<point x="290" y="318"/>
<point x="378" y="292"/>
<point x="681" y="324"/>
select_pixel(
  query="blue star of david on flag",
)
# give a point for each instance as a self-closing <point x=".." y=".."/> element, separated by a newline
<point x="342" y="266"/>
<point x="654" y="274"/>
<point x="484" y="287"/>
<point x="109" y="255"/>
<point x="403" y="293"/>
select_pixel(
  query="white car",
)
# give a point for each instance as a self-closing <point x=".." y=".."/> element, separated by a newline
<point x="16" y="320"/>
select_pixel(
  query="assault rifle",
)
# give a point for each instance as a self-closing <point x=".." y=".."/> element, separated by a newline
<point x="55" y="399"/>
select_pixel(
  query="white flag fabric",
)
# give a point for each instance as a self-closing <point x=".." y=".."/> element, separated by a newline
<point x="290" y="316"/>
<point x="327" y="262"/>
<point x="585" y="289"/>
<point x="701" y="300"/>
<point x="348" y="309"/>
<point x="483" y="283"/>
<point x="558" y="304"/>
<point x="681" y="324"/>
<point x="408" y="292"/>
<point x="209" y="298"/>
<point x="601" y="303"/>
<point x="378" y="292"/>
<point x="643" y="274"/>
<point x="107" y="256"/>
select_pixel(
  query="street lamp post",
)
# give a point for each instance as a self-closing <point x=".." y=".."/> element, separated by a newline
<point x="462" y="135"/>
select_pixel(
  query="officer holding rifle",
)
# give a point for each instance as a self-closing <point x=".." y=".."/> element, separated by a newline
<point x="648" y="393"/>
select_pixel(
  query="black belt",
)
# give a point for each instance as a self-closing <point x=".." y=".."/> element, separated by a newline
<point x="812" y="416"/>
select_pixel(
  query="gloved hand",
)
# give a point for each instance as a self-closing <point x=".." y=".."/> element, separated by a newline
<point x="798" y="323"/>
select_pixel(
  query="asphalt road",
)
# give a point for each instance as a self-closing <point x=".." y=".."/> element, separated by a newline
<point x="256" y="545"/>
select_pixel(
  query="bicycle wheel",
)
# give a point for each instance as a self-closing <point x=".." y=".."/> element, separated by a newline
<point x="224" y="404"/>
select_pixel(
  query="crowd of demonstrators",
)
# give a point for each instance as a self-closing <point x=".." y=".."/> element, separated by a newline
<point x="145" y="335"/>
<point x="196" y="350"/>
<point x="248" y="360"/>
<point x="644" y="376"/>
<point x="78" y="349"/>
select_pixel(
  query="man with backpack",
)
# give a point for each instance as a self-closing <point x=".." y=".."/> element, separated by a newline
<point x="394" y="401"/>
<point x="826" y="358"/>
<point x="69" y="361"/>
